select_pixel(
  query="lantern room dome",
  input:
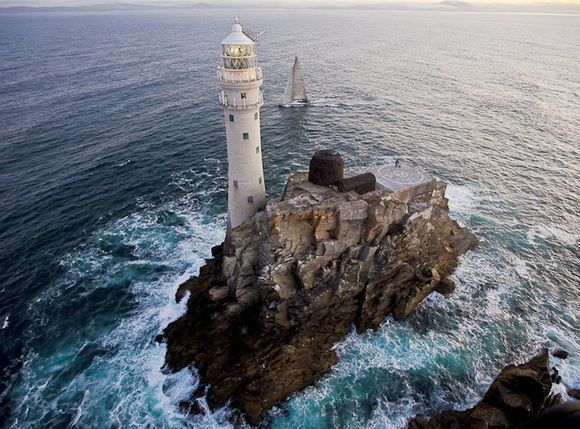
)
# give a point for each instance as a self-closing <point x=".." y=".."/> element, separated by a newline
<point x="237" y="36"/>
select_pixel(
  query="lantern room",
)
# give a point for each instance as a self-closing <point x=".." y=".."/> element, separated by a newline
<point x="238" y="50"/>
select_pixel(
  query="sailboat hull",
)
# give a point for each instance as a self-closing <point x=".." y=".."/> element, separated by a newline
<point x="295" y="103"/>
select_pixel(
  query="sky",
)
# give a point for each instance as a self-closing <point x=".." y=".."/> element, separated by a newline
<point x="295" y="3"/>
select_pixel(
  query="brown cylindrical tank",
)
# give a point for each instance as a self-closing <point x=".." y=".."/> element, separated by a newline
<point x="326" y="168"/>
<point x="361" y="184"/>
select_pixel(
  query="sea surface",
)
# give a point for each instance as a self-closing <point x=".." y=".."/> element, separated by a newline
<point x="113" y="190"/>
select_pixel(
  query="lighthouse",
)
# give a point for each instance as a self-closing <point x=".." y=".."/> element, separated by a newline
<point x="240" y="80"/>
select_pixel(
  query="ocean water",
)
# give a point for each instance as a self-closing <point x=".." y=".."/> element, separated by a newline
<point x="113" y="190"/>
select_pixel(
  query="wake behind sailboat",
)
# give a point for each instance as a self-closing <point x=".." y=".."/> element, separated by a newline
<point x="295" y="92"/>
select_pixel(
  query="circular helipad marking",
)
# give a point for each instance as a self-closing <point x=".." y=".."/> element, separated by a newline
<point x="400" y="175"/>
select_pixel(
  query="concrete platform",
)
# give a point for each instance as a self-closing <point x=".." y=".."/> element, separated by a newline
<point x="404" y="183"/>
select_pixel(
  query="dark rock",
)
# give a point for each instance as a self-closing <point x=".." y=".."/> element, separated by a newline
<point x="516" y="396"/>
<point x="262" y="317"/>
<point x="574" y="393"/>
<point x="446" y="287"/>
<point x="561" y="416"/>
<point x="560" y="353"/>
<point x="191" y="407"/>
<point x="553" y="400"/>
<point x="554" y="374"/>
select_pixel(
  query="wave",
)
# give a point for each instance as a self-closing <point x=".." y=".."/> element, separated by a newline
<point x="126" y="162"/>
<point x="463" y="200"/>
<point x="321" y="102"/>
<point x="117" y="293"/>
<point x="554" y="232"/>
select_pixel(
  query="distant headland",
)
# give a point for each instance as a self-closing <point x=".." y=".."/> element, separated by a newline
<point x="562" y="7"/>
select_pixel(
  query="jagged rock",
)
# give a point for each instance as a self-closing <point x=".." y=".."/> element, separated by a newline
<point x="516" y="396"/>
<point x="560" y="353"/>
<point x="562" y="416"/>
<point x="554" y="375"/>
<point x="264" y="314"/>
<point x="574" y="393"/>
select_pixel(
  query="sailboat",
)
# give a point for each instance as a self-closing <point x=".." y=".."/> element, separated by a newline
<point x="295" y="92"/>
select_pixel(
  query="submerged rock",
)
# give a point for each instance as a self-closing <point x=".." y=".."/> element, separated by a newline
<point x="560" y="353"/>
<point x="518" y="395"/>
<point x="265" y="312"/>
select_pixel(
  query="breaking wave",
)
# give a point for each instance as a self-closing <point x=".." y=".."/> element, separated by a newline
<point x="106" y="371"/>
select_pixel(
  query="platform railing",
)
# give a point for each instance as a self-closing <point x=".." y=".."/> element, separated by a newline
<point x="224" y="102"/>
<point x="227" y="76"/>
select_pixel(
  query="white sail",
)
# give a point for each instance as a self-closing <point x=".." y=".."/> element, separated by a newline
<point x="295" y="88"/>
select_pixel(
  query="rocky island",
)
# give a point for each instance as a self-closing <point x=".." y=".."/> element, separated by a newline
<point x="521" y="396"/>
<point x="290" y="282"/>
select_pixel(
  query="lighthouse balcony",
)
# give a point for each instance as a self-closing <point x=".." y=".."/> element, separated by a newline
<point x="241" y="105"/>
<point x="233" y="78"/>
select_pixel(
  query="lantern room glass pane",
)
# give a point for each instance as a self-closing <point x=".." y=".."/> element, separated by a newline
<point x="238" y="50"/>
<point x="239" y="57"/>
<point x="239" y="63"/>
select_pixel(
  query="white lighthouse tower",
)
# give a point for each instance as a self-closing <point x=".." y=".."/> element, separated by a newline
<point x="240" y="80"/>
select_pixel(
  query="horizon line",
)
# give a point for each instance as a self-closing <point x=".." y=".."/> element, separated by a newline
<point x="457" y="5"/>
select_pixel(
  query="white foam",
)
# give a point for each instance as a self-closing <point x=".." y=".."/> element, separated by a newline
<point x="130" y="372"/>
<point x="6" y="322"/>
<point x="521" y="267"/>
<point x="80" y="409"/>
<point x="327" y="102"/>
<point x="554" y="336"/>
<point x="463" y="200"/>
<point x="400" y="349"/>
<point x="567" y="237"/>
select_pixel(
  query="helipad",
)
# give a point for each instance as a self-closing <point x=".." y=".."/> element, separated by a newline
<point x="397" y="179"/>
